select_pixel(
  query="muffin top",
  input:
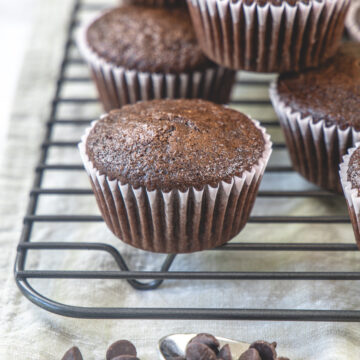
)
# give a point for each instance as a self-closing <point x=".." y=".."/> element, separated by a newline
<point x="330" y="92"/>
<point x="148" y="40"/>
<point x="353" y="172"/>
<point x="174" y="144"/>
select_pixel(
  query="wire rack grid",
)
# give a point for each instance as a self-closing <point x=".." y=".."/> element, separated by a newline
<point x="150" y="280"/>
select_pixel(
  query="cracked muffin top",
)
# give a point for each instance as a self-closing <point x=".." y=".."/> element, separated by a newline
<point x="147" y="39"/>
<point x="330" y="92"/>
<point x="174" y="144"/>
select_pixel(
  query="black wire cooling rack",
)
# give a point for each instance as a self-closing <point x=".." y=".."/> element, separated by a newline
<point x="150" y="280"/>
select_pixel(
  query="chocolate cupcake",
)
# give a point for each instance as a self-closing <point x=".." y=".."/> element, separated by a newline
<point x="142" y="53"/>
<point x="320" y="114"/>
<point x="353" y="20"/>
<point x="350" y="181"/>
<point x="175" y="176"/>
<point x="269" y="35"/>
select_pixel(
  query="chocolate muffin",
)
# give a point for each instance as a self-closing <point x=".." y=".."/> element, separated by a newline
<point x="143" y="53"/>
<point x="175" y="176"/>
<point x="350" y="181"/>
<point x="353" y="20"/>
<point x="269" y="35"/>
<point x="320" y="115"/>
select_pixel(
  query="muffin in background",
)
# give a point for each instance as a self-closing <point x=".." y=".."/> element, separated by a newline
<point x="319" y="112"/>
<point x="353" y="20"/>
<point x="269" y="35"/>
<point x="143" y="53"/>
<point x="175" y="176"/>
<point x="350" y="181"/>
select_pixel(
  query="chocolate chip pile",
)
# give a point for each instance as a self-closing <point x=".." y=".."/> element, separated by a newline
<point x="119" y="350"/>
<point x="207" y="347"/>
<point x="201" y="347"/>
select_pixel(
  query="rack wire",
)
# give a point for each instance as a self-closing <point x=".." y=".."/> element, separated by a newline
<point x="150" y="280"/>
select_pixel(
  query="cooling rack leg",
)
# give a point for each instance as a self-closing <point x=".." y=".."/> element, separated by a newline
<point x="155" y="283"/>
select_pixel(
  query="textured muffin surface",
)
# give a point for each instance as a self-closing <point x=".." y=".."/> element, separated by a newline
<point x="330" y="92"/>
<point x="147" y="39"/>
<point x="174" y="144"/>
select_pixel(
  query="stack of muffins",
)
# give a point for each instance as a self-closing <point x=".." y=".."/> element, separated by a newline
<point x="171" y="170"/>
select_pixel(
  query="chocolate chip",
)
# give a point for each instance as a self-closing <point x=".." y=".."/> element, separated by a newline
<point x="125" y="357"/>
<point x="169" y="348"/>
<point x="265" y="350"/>
<point x="225" y="353"/>
<point x="199" y="351"/>
<point x="121" y="347"/>
<point x="208" y="340"/>
<point x="73" y="354"/>
<point x="250" y="354"/>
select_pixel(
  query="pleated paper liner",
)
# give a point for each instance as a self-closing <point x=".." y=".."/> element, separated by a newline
<point x="351" y="195"/>
<point x="118" y="86"/>
<point x="315" y="149"/>
<point x="353" y="20"/>
<point x="269" y="38"/>
<point x="176" y="221"/>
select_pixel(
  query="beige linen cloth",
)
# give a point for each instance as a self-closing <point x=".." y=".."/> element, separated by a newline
<point x="28" y="332"/>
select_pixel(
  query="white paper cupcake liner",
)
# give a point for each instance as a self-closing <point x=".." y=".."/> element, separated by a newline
<point x="118" y="86"/>
<point x="269" y="38"/>
<point x="176" y="221"/>
<point x="352" y="23"/>
<point x="351" y="195"/>
<point x="315" y="149"/>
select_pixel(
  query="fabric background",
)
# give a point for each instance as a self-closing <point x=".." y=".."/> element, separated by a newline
<point x="28" y="332"/>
